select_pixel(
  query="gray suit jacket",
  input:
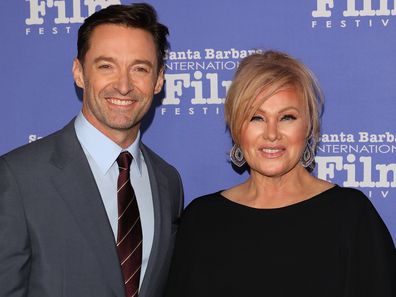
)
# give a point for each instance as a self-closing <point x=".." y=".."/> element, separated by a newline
<point x="55" y="237"/>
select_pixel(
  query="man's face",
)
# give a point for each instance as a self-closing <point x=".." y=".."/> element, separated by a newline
<point x="119" y="77"/>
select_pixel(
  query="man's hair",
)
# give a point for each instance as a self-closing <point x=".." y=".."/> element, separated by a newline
<point x="139" y="15"/>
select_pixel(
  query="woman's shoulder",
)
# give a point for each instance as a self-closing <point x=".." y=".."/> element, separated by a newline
<point x="202" y="210"/>
<point x="203" y="202"/>
<point x="355" y="205"/>
<point x="351" y="197"/>
<point x="347" y="200"/>
<point x="361" y="213"/>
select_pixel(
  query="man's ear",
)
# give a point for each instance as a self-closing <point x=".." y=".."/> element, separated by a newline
<point x="160" y="81"/>
<point x="78" y="74"/>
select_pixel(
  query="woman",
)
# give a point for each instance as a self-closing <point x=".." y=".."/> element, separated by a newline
<point x="282" y="232"/>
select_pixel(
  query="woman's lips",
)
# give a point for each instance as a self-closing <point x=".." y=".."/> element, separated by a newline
<point x="273" y="152"/>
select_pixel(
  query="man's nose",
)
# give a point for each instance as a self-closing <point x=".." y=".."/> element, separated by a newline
<point x="124" y="83"/>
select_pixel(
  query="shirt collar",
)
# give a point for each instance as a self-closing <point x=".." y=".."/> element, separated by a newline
<point x="102" y="149"/>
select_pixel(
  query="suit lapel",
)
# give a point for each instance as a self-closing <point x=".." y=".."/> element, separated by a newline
<point x="161" y="218"/>
<point x="77" y="186"/>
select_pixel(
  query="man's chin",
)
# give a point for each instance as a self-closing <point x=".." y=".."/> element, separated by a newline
<point x="123" y="124"/>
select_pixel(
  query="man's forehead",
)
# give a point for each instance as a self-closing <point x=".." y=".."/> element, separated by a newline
<point x="117" y="30"/>
<point x="113" y="40"/>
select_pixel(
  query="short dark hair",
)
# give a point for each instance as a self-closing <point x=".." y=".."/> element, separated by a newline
<point x="138" y="15"/>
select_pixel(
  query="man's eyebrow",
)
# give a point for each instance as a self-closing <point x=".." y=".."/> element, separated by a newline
<point x="146" y="62"/>
<point x="112" y="60"/>
<point x="104" y="58"/>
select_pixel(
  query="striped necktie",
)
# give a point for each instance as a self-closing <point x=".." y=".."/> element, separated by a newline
<point x="129" y="236"/>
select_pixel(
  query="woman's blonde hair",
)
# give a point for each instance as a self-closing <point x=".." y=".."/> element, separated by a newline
<point x="268" y="73"/>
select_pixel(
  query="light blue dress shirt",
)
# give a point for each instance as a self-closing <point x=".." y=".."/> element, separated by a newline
<point x="102" y="154"/>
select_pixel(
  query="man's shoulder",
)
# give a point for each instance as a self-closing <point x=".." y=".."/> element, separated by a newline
<point x="38" y="149"/>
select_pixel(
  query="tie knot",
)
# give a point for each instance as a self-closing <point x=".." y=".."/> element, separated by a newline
<point x="124" y="161"/>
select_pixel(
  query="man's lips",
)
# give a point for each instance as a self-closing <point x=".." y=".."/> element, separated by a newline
<point x="120" y="102"/>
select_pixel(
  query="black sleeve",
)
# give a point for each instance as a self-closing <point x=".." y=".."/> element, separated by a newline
<point x="372" y="261"/>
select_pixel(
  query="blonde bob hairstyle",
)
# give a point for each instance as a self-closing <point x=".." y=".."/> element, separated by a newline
<point x="268" y="73"/>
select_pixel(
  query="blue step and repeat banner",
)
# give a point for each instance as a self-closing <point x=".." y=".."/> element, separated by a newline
<point x="349" y="44"/>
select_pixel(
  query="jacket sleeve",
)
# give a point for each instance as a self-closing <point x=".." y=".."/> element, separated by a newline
<point x="15" y="253"/>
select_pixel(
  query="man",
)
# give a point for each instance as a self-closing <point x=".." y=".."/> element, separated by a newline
<point x="69" y="221"/>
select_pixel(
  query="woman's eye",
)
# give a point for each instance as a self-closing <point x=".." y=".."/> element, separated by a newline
<point x="288" y="117"/>
<point x="256" y="118"/>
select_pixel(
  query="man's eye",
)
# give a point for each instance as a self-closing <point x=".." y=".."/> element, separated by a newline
<point x="104" y="66"/>
<point x="141" y="69"/>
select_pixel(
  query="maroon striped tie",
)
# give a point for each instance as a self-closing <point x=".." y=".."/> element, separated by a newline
<point x="129" y="237"/>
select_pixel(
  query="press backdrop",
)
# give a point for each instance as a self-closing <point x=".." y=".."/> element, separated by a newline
<point x="349" y="44"/>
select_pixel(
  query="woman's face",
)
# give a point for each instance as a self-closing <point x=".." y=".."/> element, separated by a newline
<point x="273" y="140"/>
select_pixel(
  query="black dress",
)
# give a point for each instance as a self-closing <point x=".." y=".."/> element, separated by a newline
<point x="334" y="244"/>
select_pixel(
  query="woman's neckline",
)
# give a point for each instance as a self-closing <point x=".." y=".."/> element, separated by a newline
<point x="310" y="200"/>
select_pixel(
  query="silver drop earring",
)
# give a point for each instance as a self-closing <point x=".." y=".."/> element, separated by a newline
<point x="308" y="157"/>
<point x="236" y="156"/>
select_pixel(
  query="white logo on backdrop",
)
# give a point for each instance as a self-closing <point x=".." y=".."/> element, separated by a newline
<point x="354" y="158"/>
<point x="330" y="14"/>
<point x="195" y="83"/>
<point x="33" y="137"/>
<point x="55" y="16"/>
